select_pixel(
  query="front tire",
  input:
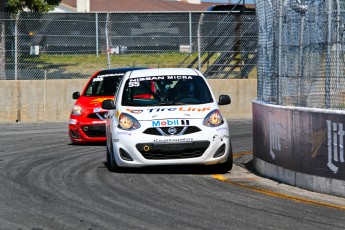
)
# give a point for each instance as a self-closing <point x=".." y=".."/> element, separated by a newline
<point x="227" y="165"/>
<point x="111" y="163"/>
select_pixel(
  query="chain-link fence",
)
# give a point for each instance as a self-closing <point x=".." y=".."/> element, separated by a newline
<point x="75" y="45"/>
<point x="301" y="52"/>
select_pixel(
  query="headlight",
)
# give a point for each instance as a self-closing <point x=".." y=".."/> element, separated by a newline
<point x="128" y="122"/>
<point x="213" y="119"/>
<point x="77" y="110"/>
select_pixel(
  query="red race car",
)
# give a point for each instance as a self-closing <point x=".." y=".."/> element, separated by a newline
<point x="87" y="119"/>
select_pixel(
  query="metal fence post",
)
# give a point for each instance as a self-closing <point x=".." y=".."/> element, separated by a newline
<point x="97" y="34"/>
<point x="16" y="47"/>
<point x="278" y="101"/>
<point x="328" y="57"/>
<point x="199" y="40"/>
<point x="338" y="46"/>
<point x="107" y="39"/>
<point x="190" y="33"/>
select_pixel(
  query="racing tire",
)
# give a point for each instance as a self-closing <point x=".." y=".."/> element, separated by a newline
<point x="111" y="163"/>
<point x="227" y="165"/>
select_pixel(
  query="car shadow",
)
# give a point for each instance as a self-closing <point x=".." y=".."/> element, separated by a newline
<point x="88" y="144"/>
<point x="172" y="169"/>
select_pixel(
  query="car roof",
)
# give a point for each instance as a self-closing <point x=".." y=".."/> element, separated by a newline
<point x="119" y="70"/>
<point x="163" y="71"/>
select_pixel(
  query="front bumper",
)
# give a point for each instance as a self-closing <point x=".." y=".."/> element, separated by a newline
<point x="87" y="132"/>
<point x="136" y="149"/>
<point x="183" y="150"/>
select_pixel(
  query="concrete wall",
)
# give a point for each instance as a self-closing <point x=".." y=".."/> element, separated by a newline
<point x="51" y="100"/>
<point x="300" y="146"/>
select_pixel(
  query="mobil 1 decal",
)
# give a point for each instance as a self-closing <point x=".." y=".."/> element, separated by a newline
<point x="170" y="122"/>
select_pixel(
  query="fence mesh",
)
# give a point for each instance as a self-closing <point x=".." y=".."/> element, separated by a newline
<point x="301" y="52"/>
<point x="75" y="45"/>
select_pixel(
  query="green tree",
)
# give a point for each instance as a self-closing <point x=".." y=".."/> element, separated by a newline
<point x="13" y="7"/>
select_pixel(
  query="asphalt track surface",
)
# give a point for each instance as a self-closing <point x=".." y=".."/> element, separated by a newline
<point x="47" y="183"/>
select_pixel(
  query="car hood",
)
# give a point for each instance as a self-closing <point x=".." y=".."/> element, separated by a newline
<point x="170" y="112"/>
<point x="91" y="103"/>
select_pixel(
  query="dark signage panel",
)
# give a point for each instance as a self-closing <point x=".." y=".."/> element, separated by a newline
<point x="310" y="142"/>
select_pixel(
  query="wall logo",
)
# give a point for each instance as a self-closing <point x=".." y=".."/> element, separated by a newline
<point x="275" y="135"/>
<point x="335" y="143"/>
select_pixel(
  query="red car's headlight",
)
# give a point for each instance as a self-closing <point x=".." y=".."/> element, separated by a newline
<point x="77" y="110"/>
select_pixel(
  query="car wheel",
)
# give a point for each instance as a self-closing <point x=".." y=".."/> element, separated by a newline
<point x="111" y="163"/>
<point x="227" y="165"/>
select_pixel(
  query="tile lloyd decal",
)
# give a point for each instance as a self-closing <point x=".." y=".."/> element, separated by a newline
<point x="275" y="135"/>
<point x="335" y="144"/>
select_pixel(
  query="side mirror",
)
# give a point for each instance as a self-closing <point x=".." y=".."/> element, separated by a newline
<point x="224" y="100"/>
<point x="108" y="104"/>
<point x="75" y="95"/>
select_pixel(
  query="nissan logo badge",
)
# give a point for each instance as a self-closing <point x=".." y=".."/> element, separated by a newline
<point x="172" y="130"/>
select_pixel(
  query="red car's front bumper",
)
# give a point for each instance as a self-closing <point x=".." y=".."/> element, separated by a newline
<point x="87" y="132"/>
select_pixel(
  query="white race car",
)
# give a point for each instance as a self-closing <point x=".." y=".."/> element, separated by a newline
<point x="166" y="116"/>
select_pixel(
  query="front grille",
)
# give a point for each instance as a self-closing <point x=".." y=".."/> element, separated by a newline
<point x="180" y="130"/>
<point x="163" y="151"/>
<point x="94" y="130"/>
<point x="98" y="116"/>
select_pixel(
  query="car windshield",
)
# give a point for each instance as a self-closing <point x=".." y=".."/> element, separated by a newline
<point x="166" y="90"/>
<point x="104" y="85"/>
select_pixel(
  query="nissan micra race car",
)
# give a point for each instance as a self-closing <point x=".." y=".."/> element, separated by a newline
<point x="87" y="119"/>
<point x="166" y="116"/>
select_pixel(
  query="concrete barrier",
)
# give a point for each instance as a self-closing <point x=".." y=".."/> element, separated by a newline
<point x="303" y="147"/>
<point x="51" y="100"/>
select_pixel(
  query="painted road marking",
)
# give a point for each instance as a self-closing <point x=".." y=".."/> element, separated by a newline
<point x="237" y="155"/>
<point x="277" y="194"/>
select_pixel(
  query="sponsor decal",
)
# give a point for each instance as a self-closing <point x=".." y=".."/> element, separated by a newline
<point x="161" y="109"/>
<point x="98" y="122"/>
<point x="135" y="111"/>
<point x="191" y="109"/>
<point x="185" y="122"/>
<point x="146" y="79"/>
<point x="169" y="122"/>
<point x="73" y="121"/>
<point x="133" y="84"/>
<point x="159" y="123"/>
<point x="124" y="133"/>
<point x="183" y="109"/>
<point x="173" y="77"/>
<point x="179" y="77"/>
<point x="222" y="128"/>
<point x="335" y="144"/>
<point x="100" y="77"/>
<point x="172" y="140"/>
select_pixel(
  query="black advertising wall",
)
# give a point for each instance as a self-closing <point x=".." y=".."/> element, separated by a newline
<point x="302" y="140"/>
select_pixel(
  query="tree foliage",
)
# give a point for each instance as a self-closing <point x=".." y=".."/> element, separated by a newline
<point x="13" y="6"/>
